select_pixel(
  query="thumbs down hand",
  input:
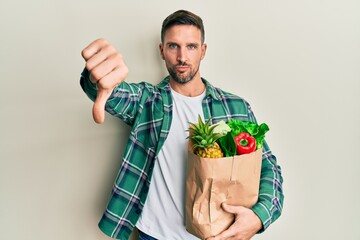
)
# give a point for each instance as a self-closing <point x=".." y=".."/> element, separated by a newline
<point x="107" y="69"/>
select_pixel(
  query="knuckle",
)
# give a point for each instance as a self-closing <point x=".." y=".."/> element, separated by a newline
<point x="119" y="57"/>
<point x="109" y="48"/>
<point x="102" y="41"/>
<point x="96" y="74"/>
<point x="89" y="66"/>
<point x="116" y="60"/>
<point x="85" y="53"/>
<point x="122" y="72"/>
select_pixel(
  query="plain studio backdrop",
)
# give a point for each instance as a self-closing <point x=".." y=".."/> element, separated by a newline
<point x="296" y="62"/>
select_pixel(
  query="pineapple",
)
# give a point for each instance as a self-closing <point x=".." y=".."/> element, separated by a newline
<point x="204" y="139"/>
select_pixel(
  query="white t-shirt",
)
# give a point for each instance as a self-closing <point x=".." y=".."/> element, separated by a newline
<point x="163" y="216"/>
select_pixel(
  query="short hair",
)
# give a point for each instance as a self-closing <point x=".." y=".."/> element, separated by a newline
<point x="182" y="17"/>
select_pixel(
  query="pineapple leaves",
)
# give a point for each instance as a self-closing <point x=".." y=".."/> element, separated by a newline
<point x="204" y="139"/>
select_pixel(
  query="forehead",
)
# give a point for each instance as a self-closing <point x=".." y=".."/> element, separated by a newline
<point x="183" y="33"/>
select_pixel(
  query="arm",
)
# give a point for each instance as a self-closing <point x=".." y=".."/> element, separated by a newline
<point x="123" y="102"/>
<point x="271" y="198"/>
<point x="248" y="222"/>
<point x="107" y="70"/>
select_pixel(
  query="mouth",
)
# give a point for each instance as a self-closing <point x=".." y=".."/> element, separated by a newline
<point x="182" y="68"/>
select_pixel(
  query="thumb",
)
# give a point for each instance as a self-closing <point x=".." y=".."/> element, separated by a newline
<point x="99" y="104"/>
<point x="231" y="209"/>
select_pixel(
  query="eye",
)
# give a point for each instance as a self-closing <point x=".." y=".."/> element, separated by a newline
<point x="192" y="46"/>
<point x="172" y="46"/>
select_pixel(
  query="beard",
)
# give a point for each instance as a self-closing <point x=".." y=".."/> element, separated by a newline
<point x="182" y="79"/>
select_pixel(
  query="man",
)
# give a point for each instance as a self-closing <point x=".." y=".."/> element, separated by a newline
<point x="149" y="191"/>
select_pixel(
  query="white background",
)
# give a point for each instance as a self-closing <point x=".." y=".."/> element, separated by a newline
<point x="296" y="62"/>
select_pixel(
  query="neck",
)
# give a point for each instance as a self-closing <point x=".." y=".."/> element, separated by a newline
<point x="193" y="88"/>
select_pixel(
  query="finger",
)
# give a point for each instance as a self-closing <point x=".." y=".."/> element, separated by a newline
<point x="235" y="238"/>
<point x="106" y="67"/>
<point x="230" y="232"/>
<point x="99" y="105"/>
<point x="93" y="48"/>
<point x="114" y="78"/>
<point x="232" y="209"/>
<point x="104" y="53"/>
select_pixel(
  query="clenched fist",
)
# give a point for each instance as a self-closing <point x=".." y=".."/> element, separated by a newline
<point x="107" y="69"/>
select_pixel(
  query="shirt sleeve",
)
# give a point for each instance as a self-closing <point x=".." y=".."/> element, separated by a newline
<point x="271" y="198"/>
<point x="123" y="101"/>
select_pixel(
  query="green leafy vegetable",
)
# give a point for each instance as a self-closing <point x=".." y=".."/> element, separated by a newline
<point x="257" y="131"/>
<point x="227" y="145"/>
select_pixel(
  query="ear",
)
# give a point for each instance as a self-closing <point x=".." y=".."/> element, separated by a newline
<point x="161" y="48"/>
<point x="203" y="50"/>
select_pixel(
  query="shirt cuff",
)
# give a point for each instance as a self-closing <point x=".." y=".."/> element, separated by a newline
<point x="263" y="213"/>
<point x="88" y="87"/>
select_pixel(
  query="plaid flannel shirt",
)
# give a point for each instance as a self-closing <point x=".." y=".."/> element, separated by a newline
<point x="148" y="110"/>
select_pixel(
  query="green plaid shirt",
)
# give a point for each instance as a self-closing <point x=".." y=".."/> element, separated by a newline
<point x="148" y="110"/>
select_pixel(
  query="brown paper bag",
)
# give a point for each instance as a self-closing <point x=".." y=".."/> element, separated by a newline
<point x="212" y="181"/>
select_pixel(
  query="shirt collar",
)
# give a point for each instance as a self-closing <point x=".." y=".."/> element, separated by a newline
<point x="210" y="89"/>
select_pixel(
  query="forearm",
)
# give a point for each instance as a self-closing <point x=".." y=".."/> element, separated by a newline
<point x="270" y="202"/>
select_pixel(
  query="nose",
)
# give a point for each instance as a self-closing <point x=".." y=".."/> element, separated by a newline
<point x="182" y="55"/>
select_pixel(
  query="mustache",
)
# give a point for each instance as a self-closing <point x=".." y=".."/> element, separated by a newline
<point x="182" y="64"/>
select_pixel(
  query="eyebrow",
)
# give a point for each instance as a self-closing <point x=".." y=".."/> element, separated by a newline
<point x="170" y="43"/>
<point x="194" y="44"/>
<point x="191" y="43"/>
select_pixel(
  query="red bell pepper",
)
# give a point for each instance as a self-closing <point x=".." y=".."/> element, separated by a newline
<point x="245" y="143"/>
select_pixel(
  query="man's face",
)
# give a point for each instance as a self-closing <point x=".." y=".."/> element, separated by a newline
<point x="182" y="51"/>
